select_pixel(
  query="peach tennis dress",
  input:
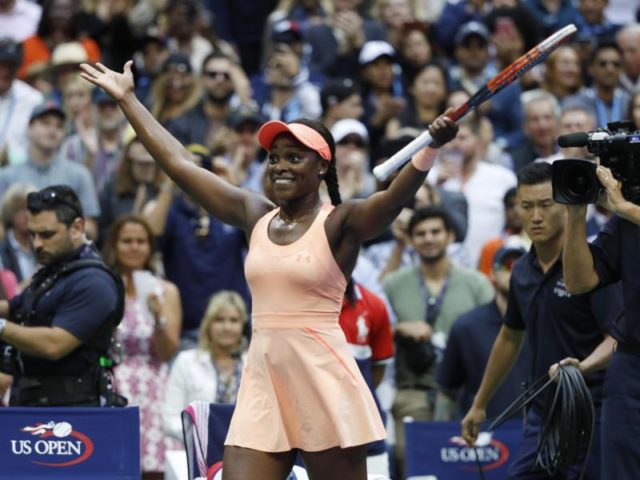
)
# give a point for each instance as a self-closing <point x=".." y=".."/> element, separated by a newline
<point x="300" y="388"/>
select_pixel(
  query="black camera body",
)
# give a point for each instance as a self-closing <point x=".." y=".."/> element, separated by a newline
<point x="618" y="146"/>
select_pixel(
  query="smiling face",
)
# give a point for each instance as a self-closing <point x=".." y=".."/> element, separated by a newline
<point x="294" y="170"/>
<point x="430" y="239"/>
<point x="133" y="247"/>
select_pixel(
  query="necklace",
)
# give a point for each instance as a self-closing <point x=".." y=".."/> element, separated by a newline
<point x="286" y="225"/>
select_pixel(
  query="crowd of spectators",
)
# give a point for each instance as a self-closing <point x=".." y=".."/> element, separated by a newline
<point x="376" y="73"/>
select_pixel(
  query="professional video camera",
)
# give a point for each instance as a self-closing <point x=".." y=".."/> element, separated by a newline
<point x="618" y="146"/>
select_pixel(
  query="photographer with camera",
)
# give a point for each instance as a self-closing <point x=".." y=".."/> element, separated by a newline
<point x="613" y="256"/>
<point x="55" y="342"/>
<point x="557" y="325"/>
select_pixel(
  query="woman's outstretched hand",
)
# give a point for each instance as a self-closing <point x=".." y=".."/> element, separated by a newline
<point x="115" y="84"/>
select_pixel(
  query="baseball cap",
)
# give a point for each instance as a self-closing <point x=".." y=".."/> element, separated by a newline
<point x="335" y="91"/>
<point x="374" y="49"/>
<point x="472" y="28"/>
<point x="244" y="114"/>
<point x="349" y="126"/>
<point x="304" y="134"/>
<point x="178" y="60"/>
<point x="68" y="53"/>
<point x="49" y="106"/>
<point x="100" y="96"/>
<point x="10" y="51"/>
<point x="286" y="31"/>
<point x="506" y="254"/>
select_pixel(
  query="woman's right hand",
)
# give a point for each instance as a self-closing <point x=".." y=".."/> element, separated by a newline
<point x="115" y="84"/>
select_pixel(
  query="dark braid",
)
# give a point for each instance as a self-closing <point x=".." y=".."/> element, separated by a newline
<point x="331" y="179"/>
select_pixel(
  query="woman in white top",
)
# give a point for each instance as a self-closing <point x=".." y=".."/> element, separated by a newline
<point x="210" y="372"/>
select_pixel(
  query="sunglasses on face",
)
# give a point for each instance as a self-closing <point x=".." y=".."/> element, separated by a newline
<point x="213" y="74"/>
<point x="48" y="200"/>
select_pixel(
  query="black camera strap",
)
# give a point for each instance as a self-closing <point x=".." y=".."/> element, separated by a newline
<point x="433" y="303"/>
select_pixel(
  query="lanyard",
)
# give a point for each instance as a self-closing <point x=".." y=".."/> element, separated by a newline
<point x="606" y="115"/>
<point x="434" y="304"/>
<point x="226" y="391"/>
<point x="7" y="117"/>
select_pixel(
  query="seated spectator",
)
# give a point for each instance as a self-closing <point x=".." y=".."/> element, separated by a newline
<point x="284" y="92"/>
<point x="605" y="98"/>
<point x="175" y="91"/>
<point x="628" y="40"/>
<point x="340" y="99"/>
<point x="61" y="22"/>
<point x="183" y="18"/>
<point x="562" y="73"/>
<point x="63" y="66"/>
<point x="393" y="15"/>
<point x="474" y="69"/>
<point x="336" y="42"/>
<point x="136" y="183"/>
<point x="149" y="332"/>
<point x="352" y="159"/>
<point x="304" y="13"/>
<point x="540" y="126"/>
<point x="592" y="21"/>
<point x="224" y="87"/>
<point x="382" y="91"/>
<point x="429" y="91"/>
<point x="17" y="101"/>
<point x="148" y="62"/>
<point x="454" y="15"/>
<point x="414" y="50"/>
<point x="99" y="148"/>
<point x="211" y="371"/>
<point x="469" y="346"/>
<point x="16" y="253"/>
<point x="45" y="166"/>
<point x="553" y="16"/>
<point x="77" y="104"/>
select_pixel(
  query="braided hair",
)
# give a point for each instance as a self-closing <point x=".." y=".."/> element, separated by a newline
<point x="331" y="179"/>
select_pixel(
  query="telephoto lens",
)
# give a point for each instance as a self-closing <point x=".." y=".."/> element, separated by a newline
<point x="574" y="182"/>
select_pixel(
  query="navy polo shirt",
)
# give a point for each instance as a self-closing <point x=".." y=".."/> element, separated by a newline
<point x="201" y="267"/>
<point x="80" y="303"/>
<point x="465" y="358"/>
<point x="616" y="256"/>
<point x="559" y="324"/>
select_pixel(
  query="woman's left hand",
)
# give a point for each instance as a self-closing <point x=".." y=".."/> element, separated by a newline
<point x="443" y="130"/>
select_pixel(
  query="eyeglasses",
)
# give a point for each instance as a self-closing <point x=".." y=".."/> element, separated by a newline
<point x="215" y="74"/>
<point x="613" y="63"/>
<point x="49" y="199"/>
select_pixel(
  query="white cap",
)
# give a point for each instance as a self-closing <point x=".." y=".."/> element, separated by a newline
<point x="347" y="126"/>
<point x="68" y="53"/>
<point x="373" y="50"/>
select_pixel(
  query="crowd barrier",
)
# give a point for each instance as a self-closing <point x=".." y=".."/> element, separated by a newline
<point x="70" y="443"/>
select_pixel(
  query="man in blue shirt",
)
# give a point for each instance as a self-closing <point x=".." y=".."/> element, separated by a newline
<point x="613" y="256"/>
<point x="557" y="324"/>
<point x="469" y="345"/>
<point x="62" y="324"/>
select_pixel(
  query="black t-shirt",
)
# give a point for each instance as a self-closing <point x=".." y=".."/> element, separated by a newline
<point x="616" y="257"/>
<point x="468" y="347"/>
<point x="559" y="324"/>
<point x="81" y="303"/>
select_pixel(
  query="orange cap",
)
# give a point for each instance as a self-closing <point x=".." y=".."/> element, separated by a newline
<point x="305" y="135"/>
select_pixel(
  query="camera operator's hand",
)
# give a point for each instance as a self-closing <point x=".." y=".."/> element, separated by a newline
<point x="613" y="200"/>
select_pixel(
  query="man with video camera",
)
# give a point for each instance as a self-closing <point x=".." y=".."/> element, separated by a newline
<point x="55" y="342"/>
<point x="613" y="256"/>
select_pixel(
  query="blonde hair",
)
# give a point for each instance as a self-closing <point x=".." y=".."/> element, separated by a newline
<point x="159" y="98"/>
<point x="14" y="199"/>
<point x="222" y="299"/>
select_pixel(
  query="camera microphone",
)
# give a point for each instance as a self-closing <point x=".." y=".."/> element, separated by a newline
<point x="580" y="139"/>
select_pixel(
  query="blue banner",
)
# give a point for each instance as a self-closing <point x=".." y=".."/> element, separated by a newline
<point x="70" y="443"/>
<point x="435" y="450"/>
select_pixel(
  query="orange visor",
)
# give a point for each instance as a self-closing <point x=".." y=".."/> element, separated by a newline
<point x="305" y="135"/>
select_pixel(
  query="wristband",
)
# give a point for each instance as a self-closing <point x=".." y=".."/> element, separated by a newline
<point x="423" y="160"/>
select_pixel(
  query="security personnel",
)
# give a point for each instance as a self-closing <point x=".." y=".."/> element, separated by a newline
<point x="60" y="328"/>
<point x="613" y="256"/>
<point x="557" y="324"/>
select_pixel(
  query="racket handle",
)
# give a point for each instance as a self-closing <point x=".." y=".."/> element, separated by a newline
<point x="398" y="159"/>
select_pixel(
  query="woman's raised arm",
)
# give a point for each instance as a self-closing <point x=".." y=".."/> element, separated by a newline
<point x="232" y="205"/>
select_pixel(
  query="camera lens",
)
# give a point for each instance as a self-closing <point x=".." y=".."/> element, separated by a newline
<point x="574" y="181"/>
<point x="577" y="183"/>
